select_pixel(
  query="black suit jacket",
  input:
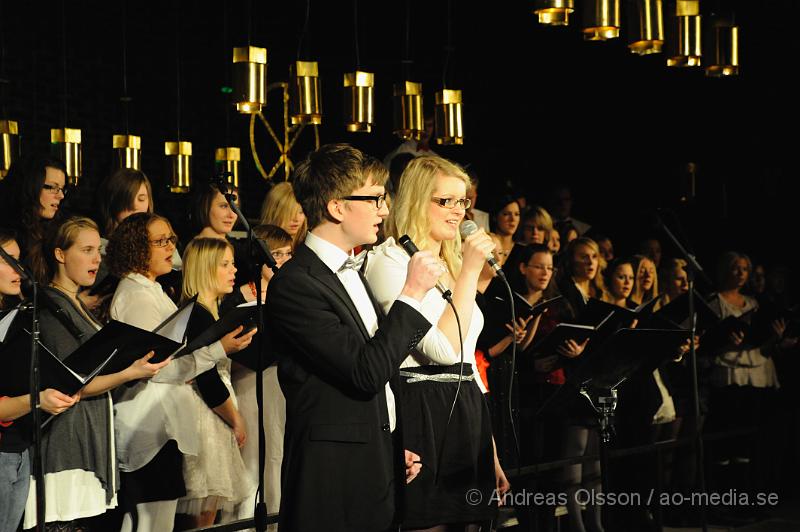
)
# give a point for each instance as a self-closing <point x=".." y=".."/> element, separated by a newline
<point x="339" y="463"/>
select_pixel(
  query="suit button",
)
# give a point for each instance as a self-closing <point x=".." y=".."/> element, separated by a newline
<point x="385" y="427"/>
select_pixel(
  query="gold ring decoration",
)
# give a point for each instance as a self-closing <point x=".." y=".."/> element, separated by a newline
<point x="290" y="135"/>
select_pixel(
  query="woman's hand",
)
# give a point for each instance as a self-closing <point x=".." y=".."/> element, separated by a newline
<point x="686" y="346"/>
<point x="501" y="483"/>
<point x="231" y="344"/>
<point x="521" y="330"/>
<point x="54" y="402"/>
<point x="143" y="369"/>
<point x="779" y="327"/>
<point x="239" y="429"/>
<point x="571" y="348"/>
<point x="736" y="338"/>
<point x="783" y="342"/>
<point x="476" y="247"/>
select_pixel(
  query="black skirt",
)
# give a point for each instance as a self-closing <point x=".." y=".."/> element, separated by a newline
<point x="456" y="483"/>
<point x="160" y="480"/>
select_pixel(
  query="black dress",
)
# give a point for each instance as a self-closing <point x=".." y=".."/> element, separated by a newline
<point x="457" y="457"/>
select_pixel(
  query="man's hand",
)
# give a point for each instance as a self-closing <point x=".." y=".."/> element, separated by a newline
<point x="413" y="465"/>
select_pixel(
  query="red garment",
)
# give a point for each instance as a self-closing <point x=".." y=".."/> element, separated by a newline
<point x="556" y="377"/>
<point x="482" y="364"/>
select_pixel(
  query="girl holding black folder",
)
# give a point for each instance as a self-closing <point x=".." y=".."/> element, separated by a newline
<point x="742" y="373"/>
<point x="88" y="462"/>
<point x="216" y="476"/>
<point x="154" y="427"/>
<point x="15" y="427"/>
<point x="580" y="279"/>
<point x="540" y="377"/>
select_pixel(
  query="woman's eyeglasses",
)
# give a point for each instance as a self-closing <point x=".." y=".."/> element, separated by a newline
<point x="55" y="189"/>
<point x="450" y="203"/>
<point x="163" y="242"/>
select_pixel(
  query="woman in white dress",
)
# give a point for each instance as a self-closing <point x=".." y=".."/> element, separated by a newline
<point x="457" y="450"/>
<point x="153" y="426"/>
<point x="215" y="478"/>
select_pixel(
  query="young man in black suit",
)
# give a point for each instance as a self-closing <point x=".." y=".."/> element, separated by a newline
<point x="343" y="464"/>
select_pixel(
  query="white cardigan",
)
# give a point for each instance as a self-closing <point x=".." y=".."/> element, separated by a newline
<point x="153" y="411"/>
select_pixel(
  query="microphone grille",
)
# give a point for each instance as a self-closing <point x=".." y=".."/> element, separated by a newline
<point x="467" y="228"/>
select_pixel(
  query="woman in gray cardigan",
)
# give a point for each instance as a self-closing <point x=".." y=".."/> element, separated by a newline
<point x="81" y="477"/>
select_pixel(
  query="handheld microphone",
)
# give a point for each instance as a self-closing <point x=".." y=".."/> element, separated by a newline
<point x="467" y="228"/>
<point x="412" y="248"/>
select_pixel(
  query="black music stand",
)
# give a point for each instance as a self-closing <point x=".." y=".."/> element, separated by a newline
<point x="259" y="255"/>
<point x="599" y="372"/>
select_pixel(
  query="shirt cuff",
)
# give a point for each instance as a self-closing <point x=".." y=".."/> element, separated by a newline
<point x="411" y="302"/>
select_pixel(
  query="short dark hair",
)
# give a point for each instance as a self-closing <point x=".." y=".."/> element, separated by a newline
<point x="274" y="236"/>
<point x="331" y="172"/>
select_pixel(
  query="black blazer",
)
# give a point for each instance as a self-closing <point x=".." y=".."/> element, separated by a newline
<point x="339" y="467"/>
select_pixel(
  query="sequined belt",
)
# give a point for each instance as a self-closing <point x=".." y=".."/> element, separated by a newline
<point x="413" y="376"/>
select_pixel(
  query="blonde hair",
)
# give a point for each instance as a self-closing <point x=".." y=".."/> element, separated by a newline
<point x="201" y="258"/>
<point x="409" y="215"/>
<point x="637" y="295"/>
<point x="279" y="207"/>
<point x="541" y="219"/>
<point x="669" y="272"/>
<point x="63" y="238"/>
<point x="596" y="286"/>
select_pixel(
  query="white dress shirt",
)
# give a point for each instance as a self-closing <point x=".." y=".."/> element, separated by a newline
<point x="153" y="411"/>
<point x="333" y="257"/>
<point x="386" y="274"/>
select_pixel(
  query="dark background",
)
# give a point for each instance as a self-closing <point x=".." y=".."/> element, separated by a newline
<point x="541" y="106"/>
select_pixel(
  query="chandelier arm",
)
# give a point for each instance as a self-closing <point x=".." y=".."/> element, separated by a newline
<point x="253" y="147"/>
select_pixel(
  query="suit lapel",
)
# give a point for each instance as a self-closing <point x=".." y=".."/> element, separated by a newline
<point x="318" y="270"/>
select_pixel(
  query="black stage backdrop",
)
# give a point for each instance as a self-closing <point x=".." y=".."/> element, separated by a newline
<point x="541" y="105"/>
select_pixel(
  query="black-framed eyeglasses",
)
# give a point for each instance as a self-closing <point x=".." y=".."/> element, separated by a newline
<point x="55" y="189"/>
<point x="379" y="200"/>
<point x="163" y="242"/>
<point x="450" y="203"/>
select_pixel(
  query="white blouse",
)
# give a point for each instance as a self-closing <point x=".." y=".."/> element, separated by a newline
<point x="743" y="367"/>
<point x="153" y="411"/>
<point x="386" y="273"/>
